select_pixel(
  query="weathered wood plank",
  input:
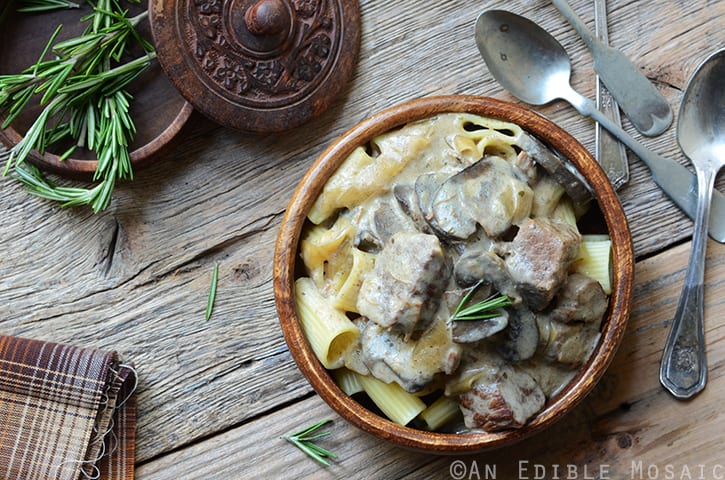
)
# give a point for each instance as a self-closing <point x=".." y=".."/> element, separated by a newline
<point x="629" y="423"/>
<point x="135" y="278"/>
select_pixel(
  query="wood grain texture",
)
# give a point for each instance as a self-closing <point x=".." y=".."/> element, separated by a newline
<point x="136" y="277"/>
<point x="628" y="423"/>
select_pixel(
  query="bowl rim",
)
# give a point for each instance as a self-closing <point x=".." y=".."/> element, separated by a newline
<point x="286" y="252"/>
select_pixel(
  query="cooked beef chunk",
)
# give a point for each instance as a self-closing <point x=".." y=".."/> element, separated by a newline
<point x="569" y="330"/>
<point x="405" y="286"/>
<point x="580" y="299"/>
<point x="411" y="364"/>
<point x="488" y="193"/>
<point x="538" y="259"/>
<point x="506" y="398"/>
<point x="569" y="343"/>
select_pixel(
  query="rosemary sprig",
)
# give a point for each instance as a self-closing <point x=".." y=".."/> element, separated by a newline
<point x="83" y="99"/>
<point x="212" y="291"/>
<point x="35" y="6"/>
<point x="481" y="310"/>
<point x="305" y="441"/>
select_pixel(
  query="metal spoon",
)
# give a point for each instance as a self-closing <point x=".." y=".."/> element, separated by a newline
<point x="643" y="104"/>
<point x="532" y="65"/>
<point x="701" y="135"/>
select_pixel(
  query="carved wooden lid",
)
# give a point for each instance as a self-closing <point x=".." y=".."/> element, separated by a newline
<point x="257" y="65"/>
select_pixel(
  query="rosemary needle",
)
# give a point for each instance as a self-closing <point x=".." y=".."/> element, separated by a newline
<point x="212" y="291"/>
<point x="481" y="310"/>
<point x="305" y="441"/>
<point x="32" y="6"/>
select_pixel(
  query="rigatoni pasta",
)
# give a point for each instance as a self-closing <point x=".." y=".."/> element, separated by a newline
<point x="595" y="260"/>
<point x="428" y="217"/>
<point x="397" y="404"/>
<point x="330" y="333"/>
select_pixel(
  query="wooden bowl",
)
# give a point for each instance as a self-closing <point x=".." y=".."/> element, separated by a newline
<point x="158" y="109"/>
<point x="287" y="255"/>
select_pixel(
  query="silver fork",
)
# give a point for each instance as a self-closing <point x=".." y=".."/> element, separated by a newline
<point x="609" y="152"/>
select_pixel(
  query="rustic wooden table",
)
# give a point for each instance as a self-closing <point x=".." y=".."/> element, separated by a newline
<point x="216" y="397"/>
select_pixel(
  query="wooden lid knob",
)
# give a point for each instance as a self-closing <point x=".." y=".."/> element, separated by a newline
<point x="268" y="17"/>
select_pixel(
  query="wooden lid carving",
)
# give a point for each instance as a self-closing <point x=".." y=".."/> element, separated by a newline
<point x="259" y="66"/>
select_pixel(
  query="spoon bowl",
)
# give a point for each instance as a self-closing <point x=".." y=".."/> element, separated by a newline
<point x="536" y="82"/>
<point x="701" y="123"/>
<point x="701" y="135"/>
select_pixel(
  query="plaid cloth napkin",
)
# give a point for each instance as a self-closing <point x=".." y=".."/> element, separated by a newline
<point x="66" y="413"/>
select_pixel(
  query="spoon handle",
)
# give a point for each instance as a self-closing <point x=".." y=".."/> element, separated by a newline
<point x="683" y="370"/>
<point x="679" y="183"/>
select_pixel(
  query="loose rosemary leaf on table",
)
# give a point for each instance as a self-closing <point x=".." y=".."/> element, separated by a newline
<point x="305" y="441"/>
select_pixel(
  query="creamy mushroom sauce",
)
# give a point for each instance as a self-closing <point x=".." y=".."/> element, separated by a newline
<point x="423" y="214"/>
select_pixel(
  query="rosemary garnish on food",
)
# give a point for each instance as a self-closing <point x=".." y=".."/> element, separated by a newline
<point x="305" y="441"/>
<point x="481" y="310"/>
<point x="84" y="104"/>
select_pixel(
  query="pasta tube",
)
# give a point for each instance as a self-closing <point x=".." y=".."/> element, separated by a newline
<point x="397" y="404"/>
<point x="346" y="298"/>
<point x="325" y="253"/>
<point x="594" y="260"/>
<point x="362" y="175"/>
<point x="330" y="333"/>
<point x="440" y="412"/>
<point x="348" y="381"/>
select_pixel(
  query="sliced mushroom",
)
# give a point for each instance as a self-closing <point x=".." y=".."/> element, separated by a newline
<point x="476" y="265"/>
<point x="520" y="339"/>
<point x="570" y="344"/>
<point x="471" y="331"/>
<point x="487" y="193"/>
<point x="426" y="186"/>
<point x="408" y="201"/>
<point x="562" y="171"/>
<point x="378" y="221"/>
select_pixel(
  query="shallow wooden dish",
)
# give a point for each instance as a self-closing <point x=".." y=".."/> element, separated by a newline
<point x="157" y="108"/>
<point x="287" y="255"/>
